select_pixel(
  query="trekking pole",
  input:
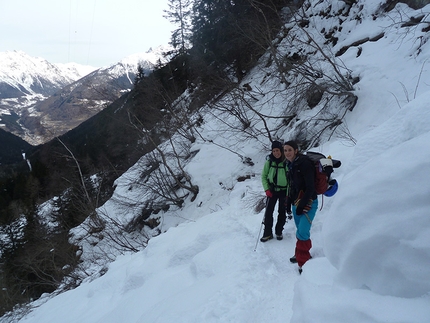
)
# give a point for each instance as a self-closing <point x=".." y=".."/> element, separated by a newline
<point x="261" y="226"/>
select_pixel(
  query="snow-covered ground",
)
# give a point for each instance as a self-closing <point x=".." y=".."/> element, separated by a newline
<point x="371" y="241"/>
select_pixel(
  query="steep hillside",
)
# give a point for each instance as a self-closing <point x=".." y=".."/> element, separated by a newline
<point x="11" y="148"/>
<point x="198" y="257"/>
<point x="76" y="172"/>
<point x="199" y="128"/>
<point x="79" y="101"/>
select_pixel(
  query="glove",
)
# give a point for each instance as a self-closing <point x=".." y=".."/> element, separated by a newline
<point x="269" y="193"/>
<point x="303" y="209"/>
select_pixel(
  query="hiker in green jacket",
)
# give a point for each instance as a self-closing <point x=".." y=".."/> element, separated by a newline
<point x="274" y="179"/>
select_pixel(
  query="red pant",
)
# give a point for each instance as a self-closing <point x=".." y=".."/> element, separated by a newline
<point x="302" y="251"/>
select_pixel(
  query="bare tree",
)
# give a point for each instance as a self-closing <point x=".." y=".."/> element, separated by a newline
<point x="310" y="75"/>
<point x="168" y="180"/>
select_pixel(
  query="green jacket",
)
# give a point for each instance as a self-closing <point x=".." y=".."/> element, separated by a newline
<point x="270" y="169"/>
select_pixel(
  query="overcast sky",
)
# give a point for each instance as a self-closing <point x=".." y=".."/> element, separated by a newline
<point x="89" y="32"/>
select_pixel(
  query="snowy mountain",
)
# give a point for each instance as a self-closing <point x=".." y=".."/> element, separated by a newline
<point x="40" y="100"/>
<point x="22" y="75"/>
<point x="371" y="241"/>
<point x="25" y="81"/>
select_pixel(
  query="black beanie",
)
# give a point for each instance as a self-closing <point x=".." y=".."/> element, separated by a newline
<point x="276" y="144"/>
<point x="292" y="143"/>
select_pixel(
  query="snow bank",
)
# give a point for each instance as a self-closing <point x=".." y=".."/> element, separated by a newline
<point x="377" y="235"/>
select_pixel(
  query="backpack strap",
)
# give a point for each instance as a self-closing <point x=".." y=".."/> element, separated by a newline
<point x="275" y="179"/>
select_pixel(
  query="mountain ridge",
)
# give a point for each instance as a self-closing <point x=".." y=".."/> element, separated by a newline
<point x="34" y="75"/>
<point x="40" y="100"/>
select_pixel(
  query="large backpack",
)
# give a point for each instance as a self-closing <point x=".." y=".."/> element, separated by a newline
<point x="324" y="184"/>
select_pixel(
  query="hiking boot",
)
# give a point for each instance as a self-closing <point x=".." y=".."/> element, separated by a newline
<point x="300" y="270"/>
<point x="266" y="238"/>
<point x="279" y="237"/>
<point x="293" y="259"/>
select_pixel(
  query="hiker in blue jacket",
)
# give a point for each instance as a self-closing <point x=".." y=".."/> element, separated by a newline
<point x="302" y="199"/>
<point x="274" y="180"/>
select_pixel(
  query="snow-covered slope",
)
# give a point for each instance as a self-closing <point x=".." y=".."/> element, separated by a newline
<point x="25" y="81"/>
<point x="27" y="84"/>
<point x="74" y="70"/>
<point x="370" y="263"/>
<point x="147" y="59"/>
<point x="376" y="234"/>
<point x="21" y="74"/>
<point x="371" y="241"/>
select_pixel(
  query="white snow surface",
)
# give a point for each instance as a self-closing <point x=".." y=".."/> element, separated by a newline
<point x="19" y="69"/>
<point x="149" y="57"/>
<point x="371" y="241"/>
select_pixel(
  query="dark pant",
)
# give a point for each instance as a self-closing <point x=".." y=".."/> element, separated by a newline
<point x="279" y="197"/>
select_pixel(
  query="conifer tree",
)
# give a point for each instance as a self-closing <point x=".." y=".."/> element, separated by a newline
<point x="180" y="13"/>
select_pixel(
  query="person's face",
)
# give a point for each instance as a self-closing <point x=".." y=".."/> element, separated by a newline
<point x="290" y="153"/>
<point x="276" y="152"/>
